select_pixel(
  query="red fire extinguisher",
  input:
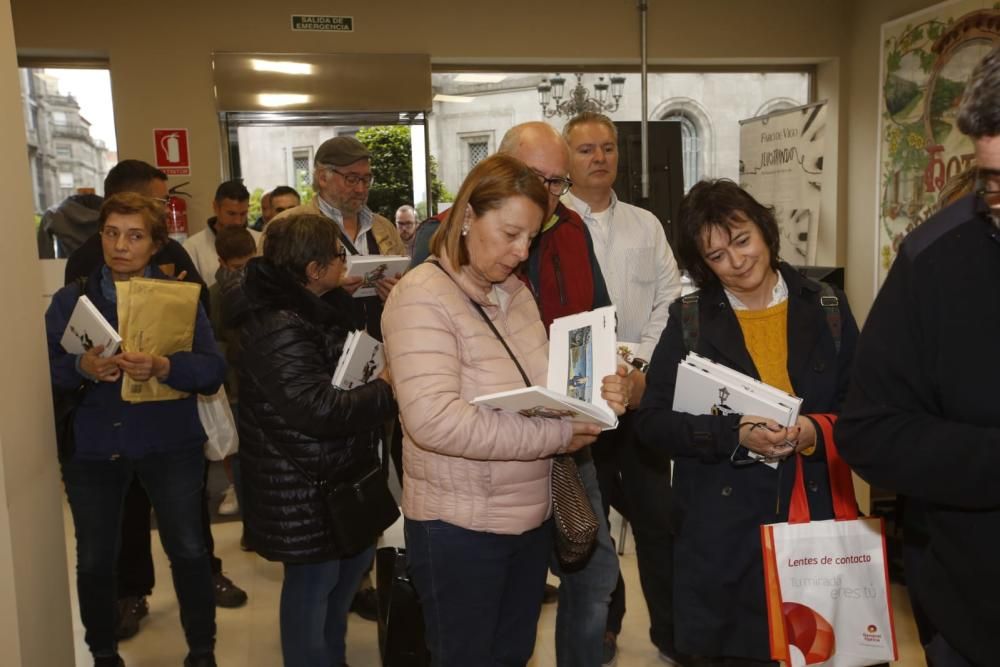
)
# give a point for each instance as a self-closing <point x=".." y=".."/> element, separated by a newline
<point x="177" y="221"/>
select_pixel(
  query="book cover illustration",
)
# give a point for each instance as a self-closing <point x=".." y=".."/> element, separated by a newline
<point x="88" y="328"/>
<point x="580" y="383"/>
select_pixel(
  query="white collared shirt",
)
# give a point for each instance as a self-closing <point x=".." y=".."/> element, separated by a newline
<point x="365" y="222"/>
<point x="778" y="294"/>
<point x="638" y="266"/>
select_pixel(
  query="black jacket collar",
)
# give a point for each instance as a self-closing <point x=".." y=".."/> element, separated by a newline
<point x="270" y="287"/>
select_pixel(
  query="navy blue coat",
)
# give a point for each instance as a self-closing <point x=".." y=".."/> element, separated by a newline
<point x="105" y="426"/>
<point x="718" y="507"/>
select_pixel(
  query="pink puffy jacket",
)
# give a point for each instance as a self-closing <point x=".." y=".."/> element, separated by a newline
<point x="470" y="466"/>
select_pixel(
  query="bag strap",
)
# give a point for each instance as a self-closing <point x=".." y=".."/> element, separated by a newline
<point x="489" y="322"/>
<point x="346" y="241"/>
<point x="845" y="504"/>
<point x="830" y="303"/>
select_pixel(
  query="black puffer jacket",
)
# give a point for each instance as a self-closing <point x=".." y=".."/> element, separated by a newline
<point x="291" y="341"/>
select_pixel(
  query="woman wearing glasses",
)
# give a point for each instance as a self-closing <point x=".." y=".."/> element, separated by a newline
<point x="294" y="423"/>
<point x="159" y="442"/>
<point x="759" y="316"/>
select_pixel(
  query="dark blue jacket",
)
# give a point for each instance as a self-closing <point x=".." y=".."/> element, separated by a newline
<point x="719" y="507"/>
<point x="105" y="426"/>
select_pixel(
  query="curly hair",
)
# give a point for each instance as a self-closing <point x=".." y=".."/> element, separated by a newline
<point x="979" y="114"/>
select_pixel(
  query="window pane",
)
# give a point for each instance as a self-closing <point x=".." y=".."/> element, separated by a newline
<point x="69" y="129"/>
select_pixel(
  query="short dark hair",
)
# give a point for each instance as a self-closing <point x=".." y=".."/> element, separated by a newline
<point x="131" y="176"/>
<point x="979" y="113"/>
<point x="291" y="243"/>
<point x="233" y="242"/>
<point x="285" y="190"/>
<point x="234" y="190"/>
<point x="719" y="203"/>
<point x="153" y="213"/>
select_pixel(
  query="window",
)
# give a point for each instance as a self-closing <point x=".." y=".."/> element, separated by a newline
<point x="66" y="180"/>
<point x="301" y="168"/>
<point x="59" y="117"/>
<point x="478" y="150"/>
<point x="64" y="150"/>
<point x="691" y="148"/>
<point x="476" y="146"/>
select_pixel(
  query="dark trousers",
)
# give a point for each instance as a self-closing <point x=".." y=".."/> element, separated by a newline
<point x="481" y="593"/>
<point x="96" y="490"/>
<point x="315" y="601"/>
<point x="135" y="560"/>
<point x="636" y="482"/>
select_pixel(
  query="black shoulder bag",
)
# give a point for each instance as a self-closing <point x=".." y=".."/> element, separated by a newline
<point x="573" y="516"/>
<point x="65" y="402"/>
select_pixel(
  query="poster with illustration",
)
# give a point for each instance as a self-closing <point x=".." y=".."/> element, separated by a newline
<point x="781" y="165"/>
<point x="926" y="60"/>
<point x="580" y="377"/>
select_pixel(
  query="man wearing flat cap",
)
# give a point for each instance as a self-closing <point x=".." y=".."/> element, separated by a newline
<point x="342" y="177"/>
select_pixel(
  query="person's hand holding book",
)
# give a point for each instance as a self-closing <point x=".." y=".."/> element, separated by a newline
<point x="767" y="437"/>
<point x="95" y="366"/>
<point x="140" y="366"/>
<point x="617" y="390"/>
<point x="583" y="434"/>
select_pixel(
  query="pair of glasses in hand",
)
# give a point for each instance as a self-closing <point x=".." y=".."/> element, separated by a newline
<point x="753" y="457"/>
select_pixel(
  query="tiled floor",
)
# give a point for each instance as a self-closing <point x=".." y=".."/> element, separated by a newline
<point x="249" y="636"/>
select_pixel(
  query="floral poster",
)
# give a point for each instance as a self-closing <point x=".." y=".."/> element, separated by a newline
<point x="927" y="59"/>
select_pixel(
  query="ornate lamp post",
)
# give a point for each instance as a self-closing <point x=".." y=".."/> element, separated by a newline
<point x="550" y="91"/>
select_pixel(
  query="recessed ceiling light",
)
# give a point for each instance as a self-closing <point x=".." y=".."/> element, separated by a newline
<point x="469" y="77"/>
<point x="282" y="99"/>
<point x="453" y="98"/>
<point x="281" y="66"/>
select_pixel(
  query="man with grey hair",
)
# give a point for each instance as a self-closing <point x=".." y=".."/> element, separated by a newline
<point x="921" y="415"/>
<point x="643" y="280"/>
<point x="406" y="225"/>
<point x="342" y="178"/>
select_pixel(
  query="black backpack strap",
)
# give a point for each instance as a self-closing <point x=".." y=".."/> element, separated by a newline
<point x="689" y="321"/>
<point x="830" y="303"/>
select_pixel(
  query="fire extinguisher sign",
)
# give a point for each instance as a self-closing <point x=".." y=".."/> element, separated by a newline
<point x="172" y="155"/>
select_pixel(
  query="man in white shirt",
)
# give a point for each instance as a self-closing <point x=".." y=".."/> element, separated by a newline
<point x="643" y="279"/>
<point x="231" y="205"/>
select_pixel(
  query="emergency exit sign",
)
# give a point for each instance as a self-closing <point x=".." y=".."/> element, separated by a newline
<point x="323" y="23"/>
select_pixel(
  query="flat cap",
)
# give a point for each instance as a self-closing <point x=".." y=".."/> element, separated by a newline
<point x="341" y="151"/>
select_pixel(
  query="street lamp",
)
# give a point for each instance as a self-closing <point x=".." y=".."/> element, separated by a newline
<point x="550" y="91"/>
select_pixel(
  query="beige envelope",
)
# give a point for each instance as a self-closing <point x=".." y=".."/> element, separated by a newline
<point x="158" y="317"/>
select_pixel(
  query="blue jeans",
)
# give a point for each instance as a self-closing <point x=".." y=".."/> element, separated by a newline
<point x="584" y="594"/>
<point x="481" y="593"/>
<point x="174" y="483"/>
<point x="315" y="601"/>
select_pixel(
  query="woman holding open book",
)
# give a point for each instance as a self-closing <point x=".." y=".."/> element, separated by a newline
<point x="158" y="441"/>
<point x="476" y="491"/>
<point x="733" y="472"/>
<point x="297" y="429"/>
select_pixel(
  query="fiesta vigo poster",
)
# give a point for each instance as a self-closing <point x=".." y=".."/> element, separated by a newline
<point x="781" y="165"/>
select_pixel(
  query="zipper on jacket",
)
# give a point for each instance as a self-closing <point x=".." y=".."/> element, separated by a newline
<point x="559" y="279"/>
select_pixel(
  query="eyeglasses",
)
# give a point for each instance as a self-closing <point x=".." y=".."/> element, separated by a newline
<point x="556" y="185"/>
<point x="354" y="179"/>
<point x="133" y="236"/>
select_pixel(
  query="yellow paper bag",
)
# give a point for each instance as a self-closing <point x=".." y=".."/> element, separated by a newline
<point x="156" y="317"/>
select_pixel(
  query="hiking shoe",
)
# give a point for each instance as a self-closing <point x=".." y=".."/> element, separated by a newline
<point x="109" y="661"/>
<point x="229" y="505"/>
<point x="227" y="594"/>
<point x="365" y="604"/>
<point x="131" y="609"/>
<point x="609" y="655"/>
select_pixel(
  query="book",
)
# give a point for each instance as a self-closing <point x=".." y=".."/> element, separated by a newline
<point x="582" y="351"/>
<point x="704" y="387"/>
<point x="361" y="361"/>
<point x="372" y="268"/>
<point x="87" y="328"/>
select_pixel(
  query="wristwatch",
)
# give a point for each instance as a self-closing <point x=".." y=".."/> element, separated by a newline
<point x="639" y="364"/>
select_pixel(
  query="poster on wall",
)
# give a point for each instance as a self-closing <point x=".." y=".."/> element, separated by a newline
<point x="172" y="154"/>
<point x="781" y="165"/>
<point x="926" y="60"/>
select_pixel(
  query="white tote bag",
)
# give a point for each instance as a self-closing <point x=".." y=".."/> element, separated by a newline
<point x="217" y="420"/>
<point x="826" y="582"/>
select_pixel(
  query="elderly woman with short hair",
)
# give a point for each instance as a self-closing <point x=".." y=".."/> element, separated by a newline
<point x="159" y="442"/>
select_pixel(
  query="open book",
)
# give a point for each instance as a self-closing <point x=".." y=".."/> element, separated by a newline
<point x="582" y="351"/>
<point x="372" y="268"/>
<point x="87" y="328"/>
<point x="704" y="387"/>
<point x="361" y="361"/>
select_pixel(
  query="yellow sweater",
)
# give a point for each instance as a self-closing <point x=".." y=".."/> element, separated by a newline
<point x="765" y="333"/>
